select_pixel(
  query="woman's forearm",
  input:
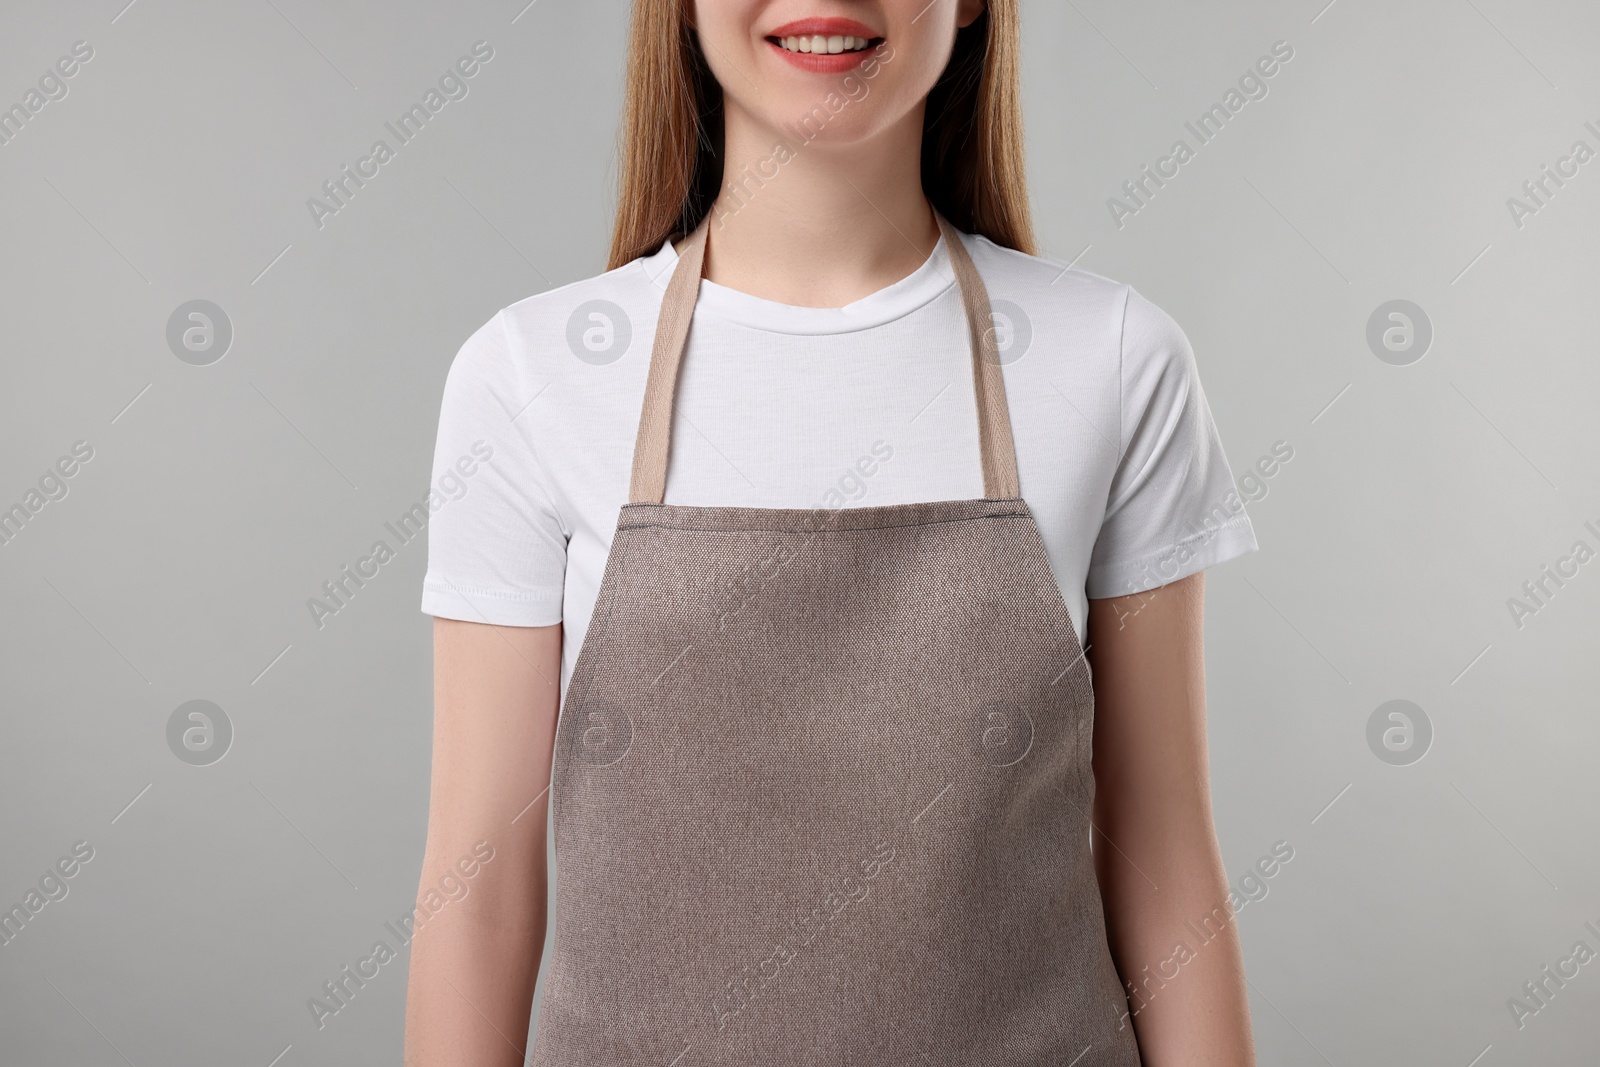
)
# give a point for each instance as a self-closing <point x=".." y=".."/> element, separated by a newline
<point x="474" y="963"/>
<point x="1175" y="943"/>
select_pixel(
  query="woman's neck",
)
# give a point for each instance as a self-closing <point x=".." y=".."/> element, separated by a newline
<point x="818" y="225"/>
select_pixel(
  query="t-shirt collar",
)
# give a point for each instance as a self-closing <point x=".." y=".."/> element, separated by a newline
<point x="934" y="277"/>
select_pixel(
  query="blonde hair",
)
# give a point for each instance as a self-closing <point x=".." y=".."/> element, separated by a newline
<point x="973" y="169"/>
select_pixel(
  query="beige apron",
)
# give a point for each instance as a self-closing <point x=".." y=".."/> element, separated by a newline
<point x="821" y="783"/>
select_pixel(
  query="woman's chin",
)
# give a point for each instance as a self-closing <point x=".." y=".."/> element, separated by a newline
<point x="809" y="125"/>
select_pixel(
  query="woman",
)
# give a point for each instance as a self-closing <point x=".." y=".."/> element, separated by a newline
<point x="813" y="582"/>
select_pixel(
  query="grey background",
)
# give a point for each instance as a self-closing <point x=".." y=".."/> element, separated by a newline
<point x="219" y="498"/>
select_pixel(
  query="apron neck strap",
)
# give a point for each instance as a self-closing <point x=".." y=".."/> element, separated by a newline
<point x="650" y="451"/>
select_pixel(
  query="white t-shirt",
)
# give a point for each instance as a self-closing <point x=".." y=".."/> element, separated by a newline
<point x="783" y="406"/>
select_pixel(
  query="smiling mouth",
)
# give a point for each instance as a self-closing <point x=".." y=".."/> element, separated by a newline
<point x="818" y="44"/>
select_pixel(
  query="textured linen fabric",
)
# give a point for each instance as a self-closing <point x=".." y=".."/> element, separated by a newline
<point x="867" y="405"/>
<point x="821" y="796"/>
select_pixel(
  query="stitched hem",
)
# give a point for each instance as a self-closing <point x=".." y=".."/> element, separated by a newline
<point x="446" y="600"/>
<point x="1191" y="555"/>
<point x="816" y="520"/>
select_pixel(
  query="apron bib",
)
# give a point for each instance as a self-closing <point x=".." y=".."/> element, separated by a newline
<point x="821" y="785"/>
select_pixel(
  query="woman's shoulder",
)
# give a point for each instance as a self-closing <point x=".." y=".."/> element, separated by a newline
<point x="595" y="320"/>
<point x="616" y="299"/>
<point x="1089" y="307"/>
<point x="1049" y="279"/>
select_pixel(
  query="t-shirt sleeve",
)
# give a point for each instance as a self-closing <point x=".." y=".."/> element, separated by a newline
<point x="497" y="547"/>
<point x="1173" y="508"/>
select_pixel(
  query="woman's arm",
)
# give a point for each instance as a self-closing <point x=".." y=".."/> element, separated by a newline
<point x="474" y="960"/>
<point x="1161" y="876"/>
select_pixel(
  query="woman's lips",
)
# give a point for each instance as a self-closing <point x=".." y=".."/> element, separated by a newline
<point x="824" y="46"/>
<point x="823" y="34"/>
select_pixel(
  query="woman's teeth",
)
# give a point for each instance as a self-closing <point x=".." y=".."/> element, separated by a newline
<point x="827" y="45"/>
